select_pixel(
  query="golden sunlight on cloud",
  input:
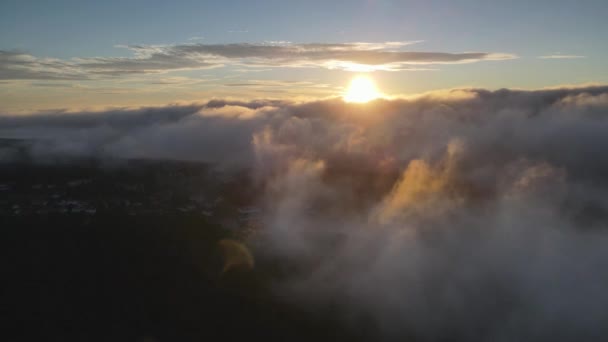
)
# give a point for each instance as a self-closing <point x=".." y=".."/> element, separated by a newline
<point x="361" y="89"/>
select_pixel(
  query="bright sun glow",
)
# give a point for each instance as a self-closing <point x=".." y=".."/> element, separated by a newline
<point x="361" y="89"/>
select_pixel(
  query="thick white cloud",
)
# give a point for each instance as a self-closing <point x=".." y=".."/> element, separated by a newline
<point x="463" y="215"/>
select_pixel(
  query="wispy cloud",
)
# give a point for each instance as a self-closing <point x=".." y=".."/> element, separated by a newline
<point x="559" y="56"/>
<point x="149" y="59"/>
<point x="276" y="83"/>
<point x="21" y="66"/>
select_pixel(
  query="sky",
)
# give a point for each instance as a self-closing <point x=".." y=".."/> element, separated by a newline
<point x="97" y="54"/>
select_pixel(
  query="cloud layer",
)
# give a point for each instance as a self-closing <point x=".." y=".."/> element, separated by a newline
<point x="460" y="215"/>
<point x="164" y="58"/>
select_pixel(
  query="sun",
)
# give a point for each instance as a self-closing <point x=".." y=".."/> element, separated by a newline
<point x="361" y="89"/>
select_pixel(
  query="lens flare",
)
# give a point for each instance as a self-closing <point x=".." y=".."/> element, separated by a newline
<point x="236" y="255"/>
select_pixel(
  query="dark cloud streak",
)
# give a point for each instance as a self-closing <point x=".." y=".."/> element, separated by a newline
<point x="157" y="59"/>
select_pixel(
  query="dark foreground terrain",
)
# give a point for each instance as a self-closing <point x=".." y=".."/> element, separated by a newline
<point x="135" y="252"/>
